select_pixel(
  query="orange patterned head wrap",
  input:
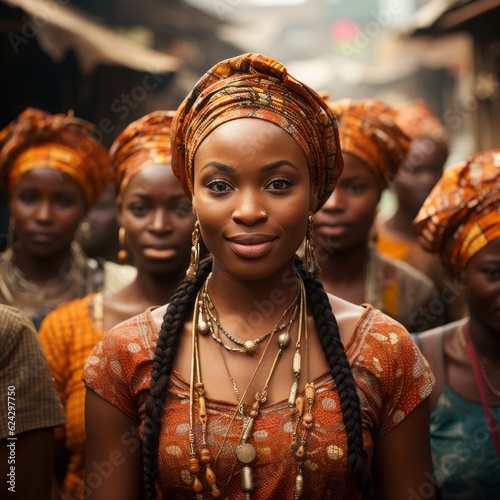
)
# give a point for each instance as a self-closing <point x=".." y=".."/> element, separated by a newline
<point x="417" y="120"/>
<point x="256" y="86"/>
<point x="37" y="139"/>
<point x="368" y="131"/>
<point x="144" y="142"/>
<point x="462" y="213"/>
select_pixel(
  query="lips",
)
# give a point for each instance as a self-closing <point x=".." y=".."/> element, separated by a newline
<point x="160" y="253"/>
<point x="332" y="229"/>
<point x="42" y="237"/>
<point x="251" y="246"/>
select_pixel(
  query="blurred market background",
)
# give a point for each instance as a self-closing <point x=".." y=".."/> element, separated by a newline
<point x="112" y="61"/>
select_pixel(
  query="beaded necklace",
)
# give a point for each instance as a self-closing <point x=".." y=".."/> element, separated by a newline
<point x="245" y="451"/>
<point x="250" y="346"/>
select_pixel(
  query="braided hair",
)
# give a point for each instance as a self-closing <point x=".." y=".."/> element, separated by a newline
<point x="181" y="306"/>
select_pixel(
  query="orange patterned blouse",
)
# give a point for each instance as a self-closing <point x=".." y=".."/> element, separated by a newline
<point x="392" y="378"/>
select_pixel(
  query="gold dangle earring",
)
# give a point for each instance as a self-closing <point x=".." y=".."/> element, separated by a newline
<point x="195" y="252"/>
<point x="312" y="265"/>
<point x="122" y="253"/>
<point x="85" y="230"/>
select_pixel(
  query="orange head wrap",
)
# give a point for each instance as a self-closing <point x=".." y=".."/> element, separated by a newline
<point x="462" y="213"/>
<point x="417" y="120"/>
<point x="368" y="131"/>
<point x="36" y="139"/>
<point x="256" y="86"/>
<point x="144" y="142"/>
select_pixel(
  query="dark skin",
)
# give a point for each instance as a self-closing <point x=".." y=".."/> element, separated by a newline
<point x="414" y="181"/>
<point x="342" y="230"/>
<point x="103" y="240"/>
<point x="262" y="195"/>
<point x="482" y="277"/>
<point x="158" y="220"/>
<point x="47" y="206"/>
<point x="34" y="452"/>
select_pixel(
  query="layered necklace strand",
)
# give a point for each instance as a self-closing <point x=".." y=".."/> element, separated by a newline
<point x="245" y="452"/>
<point x="250" y="346"/>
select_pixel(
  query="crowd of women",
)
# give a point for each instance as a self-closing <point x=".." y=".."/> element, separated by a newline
<point x="267" y="333"/>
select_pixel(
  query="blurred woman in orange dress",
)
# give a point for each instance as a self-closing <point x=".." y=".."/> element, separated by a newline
<point x="156" y="221"/>
<point x="53" y="170"/>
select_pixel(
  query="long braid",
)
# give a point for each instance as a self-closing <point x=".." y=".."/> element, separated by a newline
<point x="180" y="307"/>
<point x="333" y="348"/>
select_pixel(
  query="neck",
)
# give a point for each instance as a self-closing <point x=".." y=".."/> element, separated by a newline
<point x="401" y="224"/>
<point x="485" y="340"/>
<point x="39" y="268"/>
<point x="343" y="265"/>
<point x="252" y="306"/>
<point x="152" y="289"/>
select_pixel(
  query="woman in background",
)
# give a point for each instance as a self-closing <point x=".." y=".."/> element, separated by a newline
<point x="53" y="170"/>
<point x="373" y="147"/>
<point x="412" y="183"/>
<point x="460" y="222"/>
<point x="156" y="220"/>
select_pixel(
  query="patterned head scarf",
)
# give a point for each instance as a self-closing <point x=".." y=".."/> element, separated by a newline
<point x="37" y="139"/>
<point x="462" y="213"/>
<point x="417" y="120"/>
<point x="368" y="131"/>
<point x="256" y="86"/>
<point x="144" y="142"/>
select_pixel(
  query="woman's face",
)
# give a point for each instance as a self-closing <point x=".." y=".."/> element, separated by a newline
<point x="47" y="206"/>
<point x="345" y="220"/>
<point x="482" y="278"/>
<point x="419" y="173"/>
<point x="252" y="195"/>
<point x="158" y="220"/>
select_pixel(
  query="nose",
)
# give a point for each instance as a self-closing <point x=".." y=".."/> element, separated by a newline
<point x="44" y="212"/>
<point x="160" y="223"/>
<point x="335" y="203"/>
<point x="249" y="210"/>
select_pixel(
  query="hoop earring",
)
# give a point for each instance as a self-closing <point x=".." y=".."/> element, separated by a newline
<point x="11" y="232"/>
<point x="195" y="252"/>
<point x="122" y="253"/>
<point x="312" y="266"/>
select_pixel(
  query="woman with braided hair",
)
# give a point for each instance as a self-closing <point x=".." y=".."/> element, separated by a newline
<point x="253" y="382"/>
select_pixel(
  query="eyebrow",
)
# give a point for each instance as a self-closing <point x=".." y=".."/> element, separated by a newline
<point x="232" y="170"/>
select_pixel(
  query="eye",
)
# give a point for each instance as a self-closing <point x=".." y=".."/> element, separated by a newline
<point x="182" y="210"/>
<point x="218" y="185"/>
<point x="492" y="274"/>
<point x="64" y="200"/>
<point x="356" y="188"/>
<point x="28" y="197"/>
<point x="279" y="184"/>
<point x="138" y="209"/>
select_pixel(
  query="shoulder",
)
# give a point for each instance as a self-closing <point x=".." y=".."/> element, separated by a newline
<point x="15" y="329"/>
<point x="432" y="340"/>
<point x="384" y="347"/>
<point x="136" y="336"/>
<point x="404" y="270"/>
<point x="68" y="318"/>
